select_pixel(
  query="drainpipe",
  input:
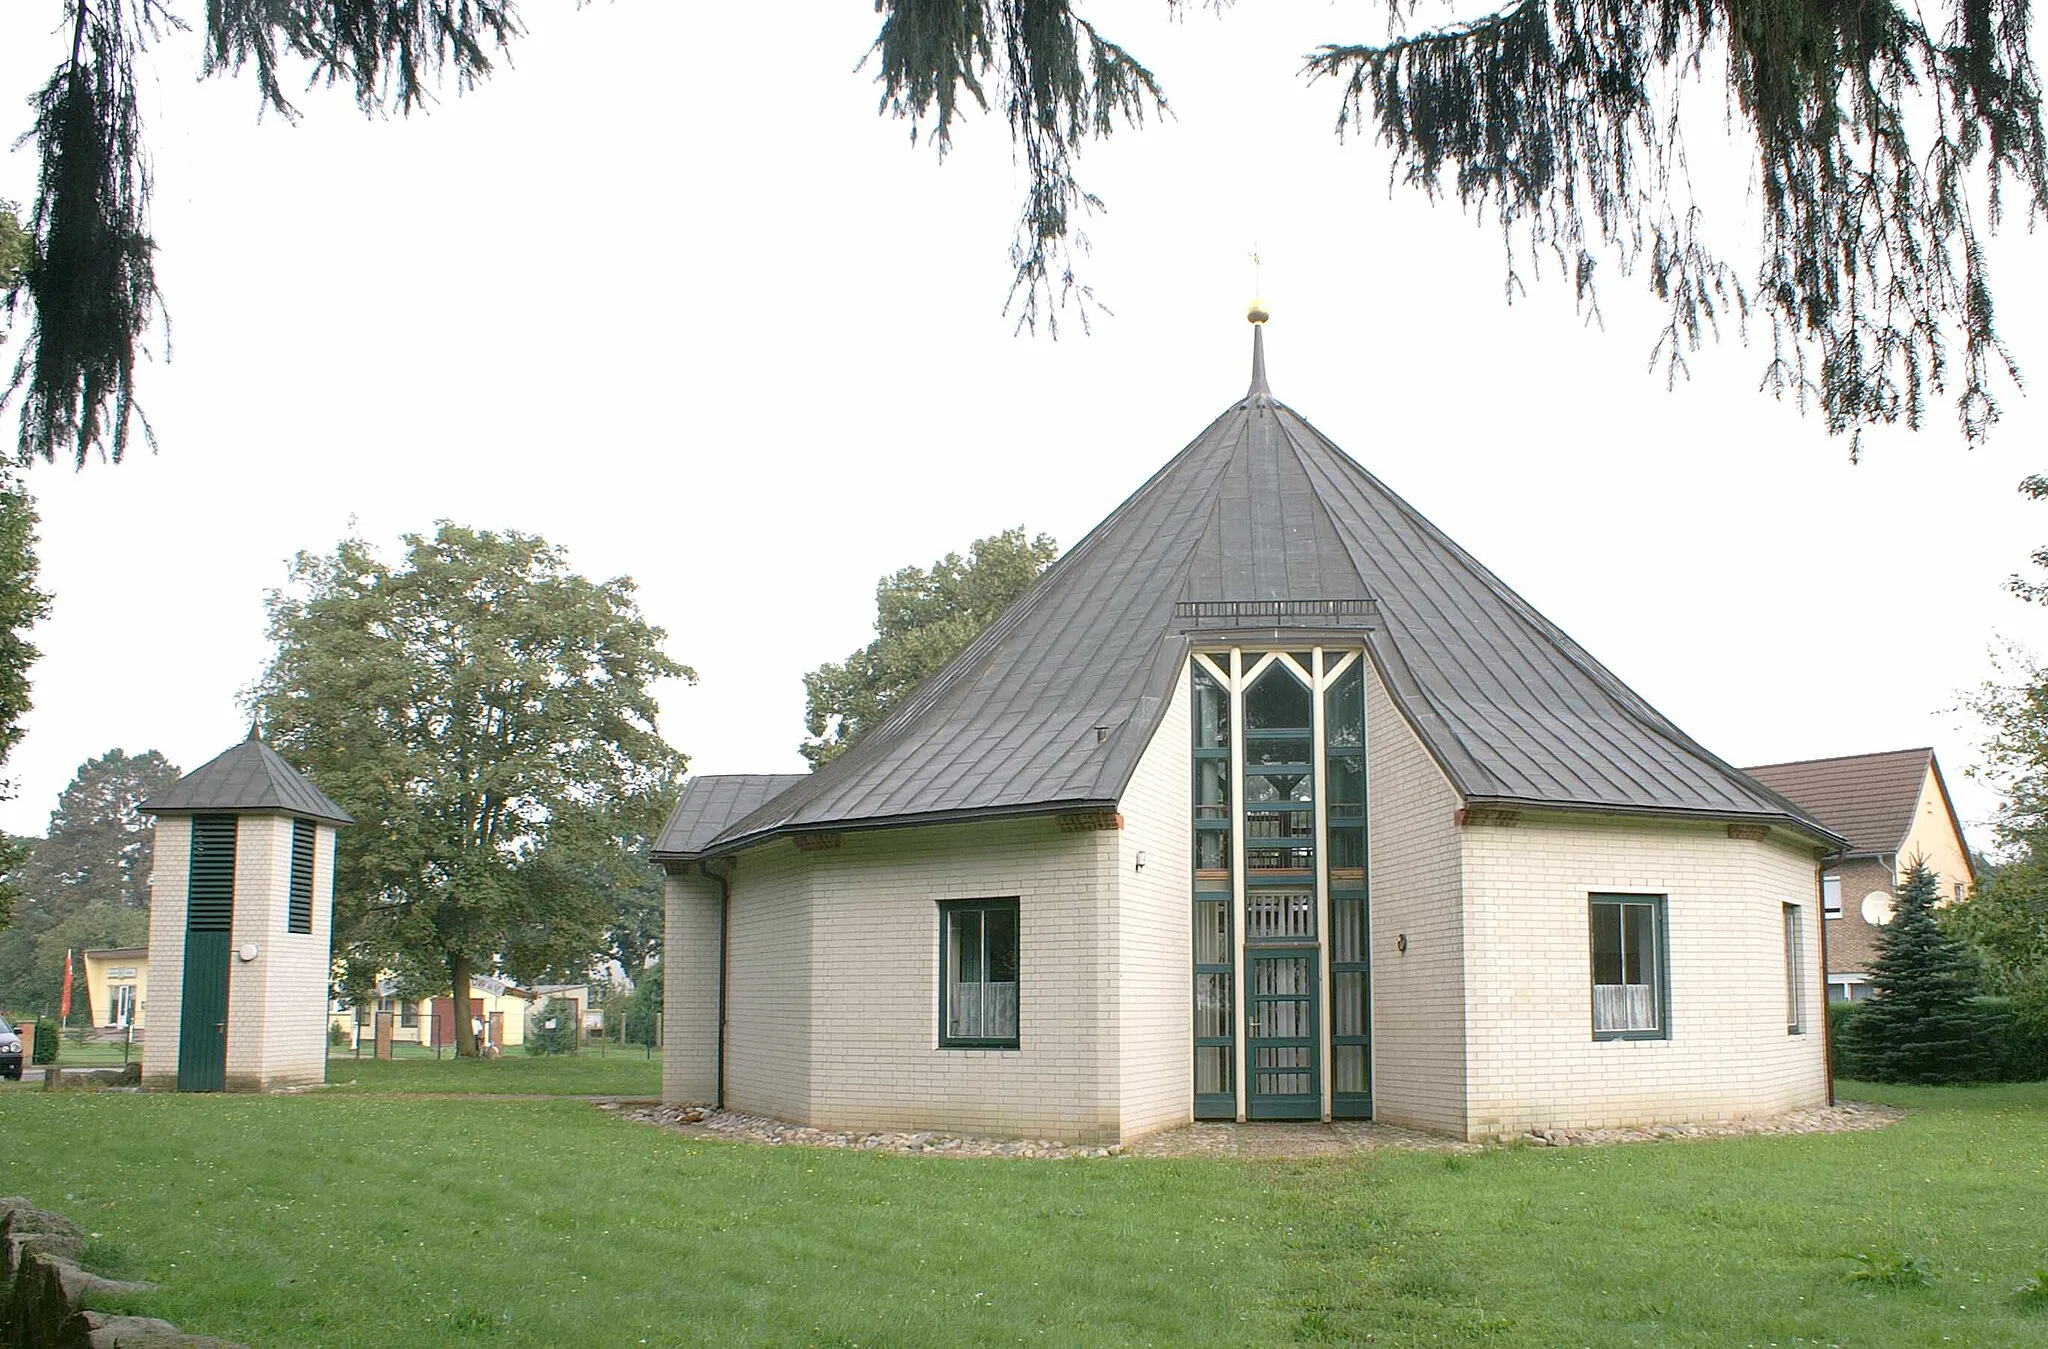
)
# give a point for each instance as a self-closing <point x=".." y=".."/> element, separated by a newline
<point x="724" y="934"/>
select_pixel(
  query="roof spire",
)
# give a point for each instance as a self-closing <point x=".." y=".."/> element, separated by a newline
<point x="1257" y="315"/>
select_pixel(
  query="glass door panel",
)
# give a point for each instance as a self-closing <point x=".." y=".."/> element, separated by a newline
<point x="1280" y="1037"/>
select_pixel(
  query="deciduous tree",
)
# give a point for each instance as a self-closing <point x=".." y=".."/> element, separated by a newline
<point x="21" y="607"/>
<point x="100" y="847"/>
<point x="488" y="717"/>
<point x="922" y="620"/>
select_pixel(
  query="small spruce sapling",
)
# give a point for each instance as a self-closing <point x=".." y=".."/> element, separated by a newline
<point x="1922" y="1024"/>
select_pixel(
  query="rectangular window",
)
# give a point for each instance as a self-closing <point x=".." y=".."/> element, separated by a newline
<point x="978" y="960"/>
<point x="1795" y="971"/>
<point x="300" y="917"/>
<point x="409" y="1014"/>
<point x="1831" y="896"/>
<point x="1628" y="967"/>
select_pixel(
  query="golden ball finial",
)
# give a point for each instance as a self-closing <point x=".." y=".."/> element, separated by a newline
<point x="1257" y="313"/>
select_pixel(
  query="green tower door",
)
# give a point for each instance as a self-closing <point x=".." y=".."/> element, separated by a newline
<point x="1280" y="1037"/>
<point x="209" y="922"/>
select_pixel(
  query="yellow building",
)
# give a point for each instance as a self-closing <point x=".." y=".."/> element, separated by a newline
<point x="497" y="1004"/>
<point x="116" y="985"/>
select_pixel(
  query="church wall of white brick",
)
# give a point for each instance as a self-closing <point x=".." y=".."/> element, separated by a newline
<point x="1155" y="929"/>
<point x="1415" y="877"/>
<point x="1532" y="1057"/>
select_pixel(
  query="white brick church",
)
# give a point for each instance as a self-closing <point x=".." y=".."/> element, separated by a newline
<point x="1267" y="801"/>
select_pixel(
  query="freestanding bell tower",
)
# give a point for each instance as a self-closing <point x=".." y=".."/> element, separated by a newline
<point x="241" y="921"/>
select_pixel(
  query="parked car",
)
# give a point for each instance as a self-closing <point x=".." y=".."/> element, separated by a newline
<point x="10" y="1051"/>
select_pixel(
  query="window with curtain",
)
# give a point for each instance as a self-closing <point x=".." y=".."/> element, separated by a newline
<point x="1628" y="967"/>
<point x="978" y="973"/>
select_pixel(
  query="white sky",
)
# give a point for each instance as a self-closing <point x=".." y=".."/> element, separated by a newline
<point x="670" y="294"/>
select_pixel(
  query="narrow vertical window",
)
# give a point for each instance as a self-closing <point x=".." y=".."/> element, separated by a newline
<point x="1350" y="975"/>
<point x="1795" y="971"/>
<point x="1628" y="967"/>
<point x="1831" y="896"/>
<point x="1215" y="945"/>
<point x="300" y="918"/>
<point x="978" y="973"/>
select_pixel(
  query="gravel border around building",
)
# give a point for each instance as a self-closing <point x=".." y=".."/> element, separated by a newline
<point x="1258" y="1141"/>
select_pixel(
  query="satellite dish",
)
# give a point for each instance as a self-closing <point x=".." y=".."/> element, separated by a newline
<point x="1877" y="908"/>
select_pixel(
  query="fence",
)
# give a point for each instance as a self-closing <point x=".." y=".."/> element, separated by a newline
<point x="382" y="1033"/>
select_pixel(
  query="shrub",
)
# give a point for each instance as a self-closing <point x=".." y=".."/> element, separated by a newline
<point x="46" y="1040"/>
<point x="2015" y="1035"/>
<point x="553" y="1027"/>
<point x="338" y="1036"/>
<point x="1843" y="1060"/>
<point x="643" y="1008"/>
<point x="2018" y="1039"/>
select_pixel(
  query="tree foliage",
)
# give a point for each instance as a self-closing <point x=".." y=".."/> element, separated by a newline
<point x="89" y="280"/>
<point x="1922" y="1023"/>
<point x="86" y="884"/>
<point x="922" y="620"/>
<point x="21" y="607"/>
<point x="1883" y="140"/>
<point x="487" y="716"/>
<point x="100" y="847"/>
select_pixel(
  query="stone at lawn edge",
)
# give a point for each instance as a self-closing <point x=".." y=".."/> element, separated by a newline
<point x="44" y="1293"/>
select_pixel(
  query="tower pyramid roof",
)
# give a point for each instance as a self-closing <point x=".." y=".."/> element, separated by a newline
<point x="250" y="778"/>
<point x="1261" y="530"/>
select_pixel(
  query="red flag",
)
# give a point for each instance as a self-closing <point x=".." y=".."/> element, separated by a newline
<point x="64" y="1004"/>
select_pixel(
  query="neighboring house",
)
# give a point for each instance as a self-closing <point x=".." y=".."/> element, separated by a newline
<point x="116" y="987"/>
<point x="501" y="1005"/>
<point x="588" y="1019"/>
<point x="1892" y="808"/>
<point x="1266" y="801"/>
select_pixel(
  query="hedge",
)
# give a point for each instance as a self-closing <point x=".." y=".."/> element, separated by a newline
<point x="2018" y="1031"/>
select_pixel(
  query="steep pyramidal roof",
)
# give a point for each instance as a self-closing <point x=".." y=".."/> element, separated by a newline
<point x="249" y="777"/>
<point x="1869" y="799"/>
<point x="1260" y="523"/>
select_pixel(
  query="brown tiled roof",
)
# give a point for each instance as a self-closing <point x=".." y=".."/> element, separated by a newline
<point x="1869" y="799"/>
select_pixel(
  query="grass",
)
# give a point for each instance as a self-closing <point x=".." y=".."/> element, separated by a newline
<point x="358" y="1218"/>
<point x="517" y="1073"/>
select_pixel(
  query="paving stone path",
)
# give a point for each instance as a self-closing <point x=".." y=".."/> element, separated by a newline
<point x="1260" y="1141"/>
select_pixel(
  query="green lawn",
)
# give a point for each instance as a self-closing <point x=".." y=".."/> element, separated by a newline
<point x="352" y="1218"/>
<point x="518" y="1073"/>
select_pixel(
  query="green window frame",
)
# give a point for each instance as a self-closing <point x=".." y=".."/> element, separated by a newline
<point x="1630" y="959"/>
<point x="980" y="974"/>
<point x="299" y="918"/>
<point x="1795" y="970"/>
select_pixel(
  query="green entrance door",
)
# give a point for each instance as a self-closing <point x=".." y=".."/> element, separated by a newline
<point x="203" y="1029"/>
<point x="1280" y="1036"/>
<point x="209" y="920"/>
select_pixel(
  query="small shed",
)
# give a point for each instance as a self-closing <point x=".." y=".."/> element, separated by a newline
<point x="240" y="926"/>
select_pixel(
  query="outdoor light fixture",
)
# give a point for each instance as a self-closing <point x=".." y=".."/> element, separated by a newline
<point x="247" y="952"/>
<point x="1401" y="943"/>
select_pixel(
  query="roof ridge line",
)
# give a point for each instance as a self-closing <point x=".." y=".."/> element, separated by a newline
<point x="1842" y="758"/>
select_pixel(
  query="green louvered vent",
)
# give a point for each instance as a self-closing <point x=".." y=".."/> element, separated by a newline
<point x="303" y="834"/>
<point x="210" y="896"/>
